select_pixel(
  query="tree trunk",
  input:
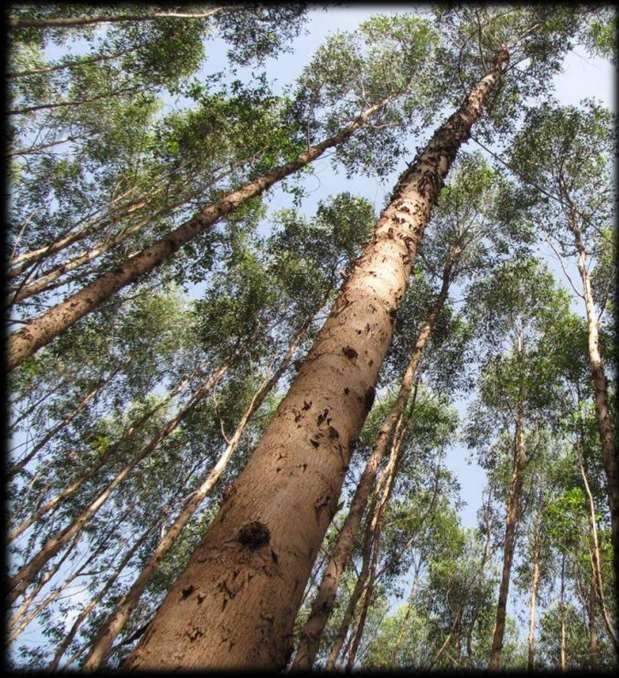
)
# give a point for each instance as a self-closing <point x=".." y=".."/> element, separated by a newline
<point x="600" y="388"/>
<point x="40" y="331"/>
<point x="20" y="581"/>
<point x="594" y="650"/>
<point x="533" y="607"/>
<point x="562" y="659"/>
<point x="78" y="22"/>
<point x="77" y="102"/>
<point x="22" y="463"/>
<point x="73" y="487"/>
<point x="513" y="509"/>
<point x="596" y="566"/>
<point x="73" y="64"/>
<point x="114" y="625"/>
<point x="92" y="604"/>
<point x="253" y="564"/>
<point x="325" y="597"/>
<point x="46" y="280"/>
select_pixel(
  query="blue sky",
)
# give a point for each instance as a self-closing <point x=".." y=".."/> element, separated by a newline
<point x="582" y="77"/>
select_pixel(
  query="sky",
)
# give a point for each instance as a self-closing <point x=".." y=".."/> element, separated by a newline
<point x="582" y="77"/>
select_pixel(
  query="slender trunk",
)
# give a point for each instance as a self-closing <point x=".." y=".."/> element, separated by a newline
<point x="41" y="147"/>
<point x="596" y="566"/>
<point x="24" y="415"/>
<point x="74" y="486"/>
<point x="387" y="485"/>
<point x="94" y="601"/>
<point x="116" y="622"/>
<point x="593" y="638"/>
<point x="22" y="463"/>
<point x="77" y="102"/>
<point x="562" y="664"/>
<point x="533" y="607"/>
<point x="513" y="508"/>
<point x="46" y="280"/>
<point x="55" y="592"/>
<point x="452" y="630"/>
<point x="253" y="587"/>
<point x="45" y="577"/>
<point x="326" y="595"/>
<point x="19" y="582"/>
<point x="78" y="22"/>
<point x="23" y="261"/>
<point x="358" y="589"/>
<point x="53" y="322"/>
<point x="600" y="388"/>
<point x="74" y="63"/>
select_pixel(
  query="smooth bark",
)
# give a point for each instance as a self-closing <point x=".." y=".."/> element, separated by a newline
<point x="252" y="566"/>
<point x="513" y="511"/>
<point x="78" y="22"/>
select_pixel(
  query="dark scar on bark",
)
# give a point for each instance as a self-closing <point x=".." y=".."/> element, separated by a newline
<point x="254" y="535"/>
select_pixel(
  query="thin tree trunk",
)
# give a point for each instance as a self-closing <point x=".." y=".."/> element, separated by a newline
<point x="513" y="509"/>
<point x="600" y="388"/>
<point x="596" y="562"/>
<point x="78" y="22"/>
<point x="21" y="262"/>
<point x="253" y="564"/>
<point x="24" y="415"/>
<point x="46" y="280"/>
<point x="74" y="486"/>
<point x="533" y="607"/>
<point x="19" y="582"/>
<point x="116" y="622"/>
<point x="76" y="63"/>
<point x="562" y="660"/>
<point x="442" y="649"/>
<point x="40" y="331"/>
<point x="77" y="102"/>
<point x="326" y="595"/>
<point x="94" y="601"/>
<point x="593" y="638"/>
<point x="22" y="463"/>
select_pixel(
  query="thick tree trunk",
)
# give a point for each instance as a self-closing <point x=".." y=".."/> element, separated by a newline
<point x="325" y="597"/>
<point x="79" y="22"/>
<point x="251" y="569"/>
<point x="74" y="486"/>
<point x="21" y="580"/>
<point x="114" y="625"/>
<point x="600" y="388"/>
<point x="42" y="330"/>
<point x="513" y="510"/>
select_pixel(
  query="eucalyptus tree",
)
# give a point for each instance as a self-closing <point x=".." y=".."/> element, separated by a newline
<point x="369" y="298"/>
<point x="412" y="49"/>
<point x="564" y="159"/>
<point x="453" y="246"/>
<point x="519" y="386"/>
